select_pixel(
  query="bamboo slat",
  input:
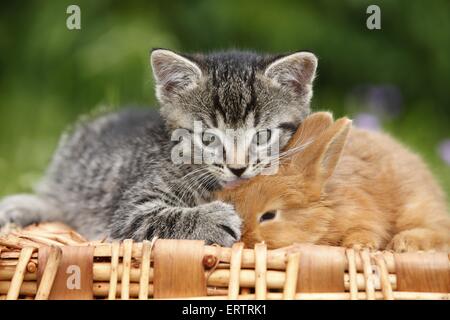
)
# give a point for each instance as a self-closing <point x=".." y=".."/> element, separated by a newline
<point x="112" y="273"/>
<point x="276" y="259"/>
<point x="368" y="275"/>
<point x="404" y="295"/>
<point x="17" y="280"/>
<point x="291" y="277"/>
<point x="235" y="268"/>
<point x="125" y="290"/>
<point x="49" y="274"/>
<point x="386" y="286"/>
<point x="219" y="277"/>
<point x="353" y="287"/>
<point x="260" y="271"/>
<point x="144" y="277"/>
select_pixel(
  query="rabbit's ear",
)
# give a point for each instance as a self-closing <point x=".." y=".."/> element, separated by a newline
<point x="309" y="130"/>
<point x="319" y="159"/>
<point x="333" y="149"/>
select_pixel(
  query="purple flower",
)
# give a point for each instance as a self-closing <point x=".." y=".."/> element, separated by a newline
<point x="444" y="151"/>
<point x="385" y="100"/>
<point x="367" y="121"/>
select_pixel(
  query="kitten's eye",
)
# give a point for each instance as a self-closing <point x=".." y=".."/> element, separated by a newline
<point x="269" y="215"/>
<point x="263" y="137"/>
<point x="208" y="138"/>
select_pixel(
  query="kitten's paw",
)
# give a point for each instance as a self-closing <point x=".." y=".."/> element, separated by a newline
<point x="220" y="224"/>
<point x="10" y="208"/>
<point x="362" y="240"/>
<point x="419" y="239"/>
<point x="7" y="228"/>
<point x="22" y="209"/>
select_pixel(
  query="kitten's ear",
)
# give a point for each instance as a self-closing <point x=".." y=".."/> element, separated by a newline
<point x="173" y="73"/>
<point x="296" y="72"/>
<point x="319" y="159"/>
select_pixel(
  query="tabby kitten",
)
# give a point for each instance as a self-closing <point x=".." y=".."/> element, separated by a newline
<point x="115" y="175"/>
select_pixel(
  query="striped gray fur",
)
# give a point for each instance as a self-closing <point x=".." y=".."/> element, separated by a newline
<point x="113" y="176"/>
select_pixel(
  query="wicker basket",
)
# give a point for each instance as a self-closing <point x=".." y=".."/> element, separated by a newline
<point x="51" y="261"/>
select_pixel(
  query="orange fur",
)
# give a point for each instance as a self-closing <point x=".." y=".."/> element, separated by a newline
<point x="347" y="187"/>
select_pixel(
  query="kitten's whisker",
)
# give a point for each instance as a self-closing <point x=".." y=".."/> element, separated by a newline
<point x="194" y="183"/>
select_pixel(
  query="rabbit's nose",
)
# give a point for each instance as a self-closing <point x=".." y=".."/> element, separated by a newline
<point x="237" y="171"/>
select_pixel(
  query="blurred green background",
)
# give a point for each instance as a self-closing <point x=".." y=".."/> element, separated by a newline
<point x="396" y="78"/>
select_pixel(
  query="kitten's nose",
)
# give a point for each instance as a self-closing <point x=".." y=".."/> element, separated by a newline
<point x="237" y="171"/>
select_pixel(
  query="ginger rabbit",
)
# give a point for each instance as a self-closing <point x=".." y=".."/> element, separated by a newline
<point x="346" y="187"/>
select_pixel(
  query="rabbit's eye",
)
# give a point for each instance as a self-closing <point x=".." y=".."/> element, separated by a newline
<point x="269" y="215"/>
